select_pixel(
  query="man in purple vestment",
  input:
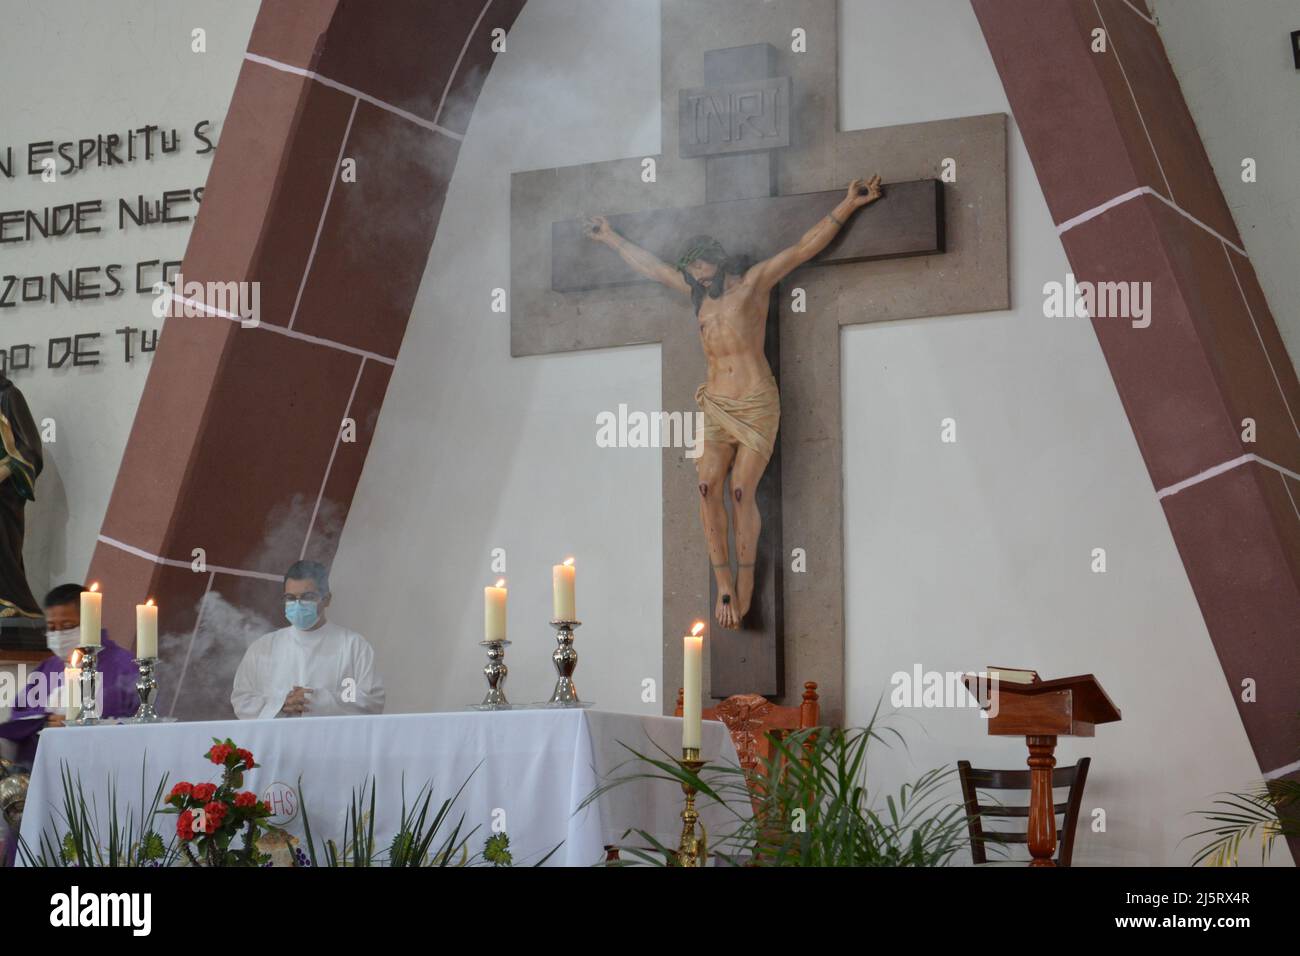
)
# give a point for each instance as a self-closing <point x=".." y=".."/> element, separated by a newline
<point x="36" y="710"/>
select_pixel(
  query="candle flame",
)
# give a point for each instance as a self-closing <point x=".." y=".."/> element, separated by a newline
<point x="568" y="562"/>
<point x="697" y="629"/>
<point x="149" y="603"/>
<point x="501" y="582"/>
<point x="95" y="586"/>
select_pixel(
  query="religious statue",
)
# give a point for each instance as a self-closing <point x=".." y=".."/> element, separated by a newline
<point x="740" y="401"/>
<point x="19" y="468"/>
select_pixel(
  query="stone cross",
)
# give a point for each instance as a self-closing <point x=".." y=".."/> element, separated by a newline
<point x="752" y="156"/>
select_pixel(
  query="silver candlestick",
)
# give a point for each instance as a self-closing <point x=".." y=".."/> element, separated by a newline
<point x="495" y="671"/>
<point x="566" y="662"/>
<point x="91" y="705"/>
<point x="146" y="685"/>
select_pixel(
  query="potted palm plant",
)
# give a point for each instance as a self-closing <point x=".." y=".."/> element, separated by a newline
<point x="1266" y="812"/>
<point x="808" y="804"/>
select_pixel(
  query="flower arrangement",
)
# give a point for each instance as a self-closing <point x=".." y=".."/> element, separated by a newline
<point x="209" y="816"/>
<point x="220" y="824"/>
<point x="128" y="840"/>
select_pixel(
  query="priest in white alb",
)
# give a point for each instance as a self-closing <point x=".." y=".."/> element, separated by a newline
<point x="311" y="668"/>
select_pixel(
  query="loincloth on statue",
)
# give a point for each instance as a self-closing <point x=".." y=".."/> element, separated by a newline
<point x="751" y="420"/>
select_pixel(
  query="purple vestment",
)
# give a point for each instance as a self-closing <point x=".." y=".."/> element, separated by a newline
<point x="117" y="676"/>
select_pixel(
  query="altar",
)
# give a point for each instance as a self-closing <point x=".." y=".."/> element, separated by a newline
<point x="524" y="771"/>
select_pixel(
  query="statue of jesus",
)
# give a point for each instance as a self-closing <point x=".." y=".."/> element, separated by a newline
<point x="740" y="401"/>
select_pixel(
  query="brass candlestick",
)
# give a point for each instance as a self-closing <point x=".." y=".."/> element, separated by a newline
<point x="693" y="850"/>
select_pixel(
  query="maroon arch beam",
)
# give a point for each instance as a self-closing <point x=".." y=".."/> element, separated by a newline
<point x="235" y="448"/>
<point x="1134" y="197"/>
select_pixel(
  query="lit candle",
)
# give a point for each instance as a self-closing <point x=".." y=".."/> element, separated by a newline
<point x="146" y="629"/>
<point x="92" y="603"/>
<point x="494" y="612"/>
<point x="72" y="688"/>
<point x="562" y="603"/>
<point x="692" y="686"/>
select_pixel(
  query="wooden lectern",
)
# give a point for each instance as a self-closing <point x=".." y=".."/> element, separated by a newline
<point x="1041" y="711"/>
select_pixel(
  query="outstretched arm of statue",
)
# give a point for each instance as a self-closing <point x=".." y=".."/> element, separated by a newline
<point x="643" y="261"/>
<point x="769" y="272"/>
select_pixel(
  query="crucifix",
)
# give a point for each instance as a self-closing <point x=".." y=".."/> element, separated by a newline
<point x="744" y="138"/>
<point x="740" y="404"/>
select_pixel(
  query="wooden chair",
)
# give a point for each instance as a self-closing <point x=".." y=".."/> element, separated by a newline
<point x="751" y="717"/>
<point x="973" y="779"/>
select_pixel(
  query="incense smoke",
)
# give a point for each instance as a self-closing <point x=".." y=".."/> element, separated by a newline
<point x="198" y="668"/>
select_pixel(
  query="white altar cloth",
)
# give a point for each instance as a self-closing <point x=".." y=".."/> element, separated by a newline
<point x="537" y="765"/>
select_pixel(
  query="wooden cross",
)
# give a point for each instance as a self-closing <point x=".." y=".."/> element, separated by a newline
<point x="751" y="125"/>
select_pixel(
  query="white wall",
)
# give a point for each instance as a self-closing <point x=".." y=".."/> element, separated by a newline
<point x="70" y="70"/>
<point x="476" y="450"/>
<point x="976" y="553"/>
<point x="1234" y="63"/>
<point x="958" y="556"/>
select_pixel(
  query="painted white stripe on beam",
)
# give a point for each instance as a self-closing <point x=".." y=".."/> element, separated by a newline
<point x="352" y="91"/>
<point x="281" y="330"/>
<point x="1220" y="469"/>
<point x="1148" y="19"/>
<point x="203" y="307"/>
<point x="1136" y="106"/>
<point x="1096" y="211"/>
<point x="328" y="343"/>
<point x="320" y="226"/>
<point x="456" y="66"/>
<point x="1282" y="771"/>
<point x="338" y="440"/>
<point x="1255" y="325"/>
<point x="188" y="565"/>
<point x="194" y="637"/>
<point x="1287" y="488"/>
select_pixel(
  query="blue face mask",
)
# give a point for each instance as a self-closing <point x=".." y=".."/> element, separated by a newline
<point x="302" y="614"/>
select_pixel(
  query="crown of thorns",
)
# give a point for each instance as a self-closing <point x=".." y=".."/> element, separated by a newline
<point x="702" y="247"/>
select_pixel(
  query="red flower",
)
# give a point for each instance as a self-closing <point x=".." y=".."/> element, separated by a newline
<point x="220" y="752"/>
<point x="203" y="792"/>
<point x="266" y="804"/>
<point x="245" y="799"/>
<point x="181" y="789"/>
<point x="246" y="756"/>
<point x="185" y="826"/>
<point x="215" y="812"/>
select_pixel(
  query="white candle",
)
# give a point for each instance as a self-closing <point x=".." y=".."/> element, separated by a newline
<point x="146" y="629"/>
<point x="92" y="603"/>
<point x="494" y="612"/>
<point x="562" y="600"/>
<point x="692" y="686"/>
<point x="71" y="693"/>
